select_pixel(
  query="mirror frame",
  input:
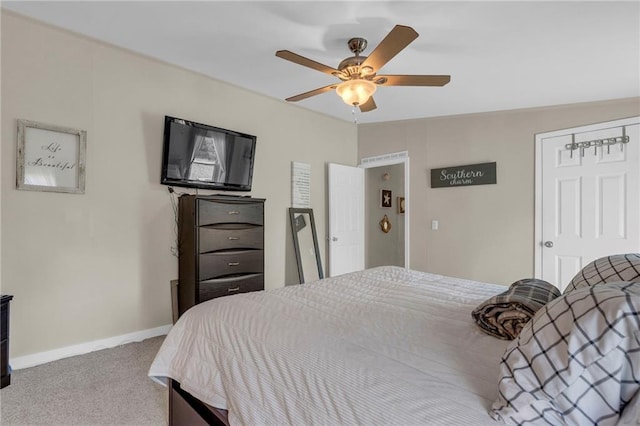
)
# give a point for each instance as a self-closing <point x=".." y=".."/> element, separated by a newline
<point x="296" y="244"/>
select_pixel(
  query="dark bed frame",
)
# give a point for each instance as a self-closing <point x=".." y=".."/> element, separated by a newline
<point x="187" y="410"/>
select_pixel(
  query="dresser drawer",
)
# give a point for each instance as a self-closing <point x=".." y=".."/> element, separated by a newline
<point x="210" y="212"/>
<point x="230" y="237"/>
<point x="211" y="289"/>
<point x="213" y="265"/>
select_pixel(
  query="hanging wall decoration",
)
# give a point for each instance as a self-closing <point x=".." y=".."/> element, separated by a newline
<point x="300" y="185"/>
<point x="50" y="158"/>
<point x="400" y="205"/>
<point x="385" y="224"/>
<point x="385" y="198"/>
<point x="472" y="174"/>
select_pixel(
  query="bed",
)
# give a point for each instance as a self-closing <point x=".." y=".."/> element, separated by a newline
<point x="382" y="346"/>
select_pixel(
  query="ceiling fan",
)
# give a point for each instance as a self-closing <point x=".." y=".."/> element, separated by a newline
<point x="359" y="73"/>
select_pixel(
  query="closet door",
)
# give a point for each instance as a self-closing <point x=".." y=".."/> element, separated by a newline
<point x="588" y="200"/>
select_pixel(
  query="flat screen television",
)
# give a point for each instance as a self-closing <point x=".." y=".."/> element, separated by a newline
<point x="202" y="156"/>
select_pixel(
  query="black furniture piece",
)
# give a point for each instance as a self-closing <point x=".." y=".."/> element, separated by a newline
<point x="220" y="247"/>
<point x="4" y="340"/>
<point x="185" y="409"/>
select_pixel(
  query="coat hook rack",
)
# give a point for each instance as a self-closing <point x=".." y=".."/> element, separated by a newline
<point x="596" y="143"/>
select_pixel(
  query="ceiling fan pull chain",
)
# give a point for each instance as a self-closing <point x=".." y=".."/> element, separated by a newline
<point x="355" y="117"/>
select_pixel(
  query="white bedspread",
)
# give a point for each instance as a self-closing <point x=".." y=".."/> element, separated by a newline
<point x="382" y="346"/>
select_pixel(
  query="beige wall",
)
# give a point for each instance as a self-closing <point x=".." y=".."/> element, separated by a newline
<point x="486" y="232"/>
<point x="93" y="266"/>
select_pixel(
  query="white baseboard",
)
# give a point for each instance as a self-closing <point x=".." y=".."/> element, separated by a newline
<point x="32" y="360"/>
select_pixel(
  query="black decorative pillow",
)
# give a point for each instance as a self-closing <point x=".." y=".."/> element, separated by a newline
<point x="504" y="315"/>
<point x="617" y="267"/>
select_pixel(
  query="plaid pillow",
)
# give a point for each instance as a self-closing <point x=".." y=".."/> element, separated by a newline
<point x="576" y="362"/>
<point x="618" y="267"/>
<point x="504" y="315"/>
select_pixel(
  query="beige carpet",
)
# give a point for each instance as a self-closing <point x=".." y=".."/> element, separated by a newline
<point x="107" y="387"/>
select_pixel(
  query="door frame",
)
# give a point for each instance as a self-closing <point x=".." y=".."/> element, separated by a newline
<point x="401" y="157"/>
<point x="539" y="139"/>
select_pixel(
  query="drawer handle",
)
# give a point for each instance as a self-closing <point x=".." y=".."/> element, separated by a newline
<point x="233" y="263"/>
<point x="229" y="290"/>
<point x="233" y="238"/>
<point x="234" y="212"/>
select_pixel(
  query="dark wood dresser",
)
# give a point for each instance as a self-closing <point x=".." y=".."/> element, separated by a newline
<point x="4" y="338"/>
<point x="221" y="247"/>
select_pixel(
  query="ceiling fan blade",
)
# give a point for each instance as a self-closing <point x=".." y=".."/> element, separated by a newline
<point x="368" y="106"/>
<point x="414" y="80"/>
<point x="306" y="62"/>
<point x="397" y="39"/>
<point x="310" y="93"/>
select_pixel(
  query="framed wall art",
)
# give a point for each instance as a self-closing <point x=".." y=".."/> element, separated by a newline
<point x="400" y="202"/>
<point x="50" y="158"/>
<point x="385" y="198"/>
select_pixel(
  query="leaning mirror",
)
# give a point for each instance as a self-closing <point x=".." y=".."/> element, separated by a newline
<point x="305" y="242"/>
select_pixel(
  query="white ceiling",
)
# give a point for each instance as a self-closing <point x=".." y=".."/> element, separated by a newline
<point x="500" y="55"/>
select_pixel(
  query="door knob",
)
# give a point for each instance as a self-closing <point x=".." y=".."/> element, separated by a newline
<point x="548" y="244"/>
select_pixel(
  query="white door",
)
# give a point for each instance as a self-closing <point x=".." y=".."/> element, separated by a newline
<point x="589" y="205"/>
<point x="346" y="219"/>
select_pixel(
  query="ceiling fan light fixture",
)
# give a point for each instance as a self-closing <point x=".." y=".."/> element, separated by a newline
<point x="366" y="70"/>
<point x="359" y="73"/>
<point x="340" y="75"/>
<point x="355" y="92"/>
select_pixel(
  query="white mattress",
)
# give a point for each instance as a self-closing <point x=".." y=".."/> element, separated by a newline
<point x="382" y="346"/>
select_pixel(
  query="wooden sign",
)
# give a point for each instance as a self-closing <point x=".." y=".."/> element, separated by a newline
<point x="472" y="174"/>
